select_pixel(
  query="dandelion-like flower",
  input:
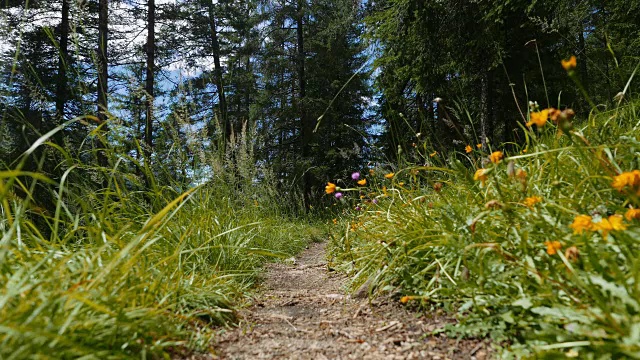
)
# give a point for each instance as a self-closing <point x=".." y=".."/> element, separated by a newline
<point x="582" y="223"/>
<point x="433" y="154"/>
<point x="632" y="214"/>
<point x="355" y="175"/>
<point x="405" y="299"/>
<point x="362" y="182"/>
<point x="570" y="64"/>
<point x="553" y="247"/>
<point x="330" y="188"/>
<point x="496" y="156"/>
<point x="530" y="201"/>
<point x="613" y="223"/>
<point x="538" y="118"/>
<point x="629" y="179"/>
<point x="468" y="149"/>
<point x="479" y="146"/>
<point x="480" y="175"/>
<point x="389" y="176"/>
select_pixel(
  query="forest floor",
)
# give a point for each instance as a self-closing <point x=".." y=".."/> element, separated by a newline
<point x="303" y="312"/>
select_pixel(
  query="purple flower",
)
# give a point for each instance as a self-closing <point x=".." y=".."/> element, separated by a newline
<point x="338" y="195"/>
<point x="358" y="208"/>
<point x="375" y="201"/>
<point x="355" y="175"/>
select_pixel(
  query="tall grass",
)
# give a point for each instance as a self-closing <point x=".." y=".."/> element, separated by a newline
<point x="120" y="271"/>
<point x="499" y="252"/>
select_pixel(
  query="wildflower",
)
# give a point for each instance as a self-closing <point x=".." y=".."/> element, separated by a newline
<point x="437" y="186"/>
<point x="582" y="223"/>
<point x="629" y="178"/>
<point x="538" y="118"/>
<point x="335" y="221"/>
<point x="479" y="146"/>
<point x="553" y="247"/>
<point x="330" y="188"/>
<point x="572" y="254"/>
<point x="355" y="175"/>
<point x="613" y="223"/>
<point x="524" y="151"/>
<point x="496" y="156"/>
<point x="375" y="201"/>
<point x="405" y="299"/>
<point x="570" y="64"/>
<point x="338" y="195"/>
<point x="632" y="214"/>
<point x="389" y="175"/>
<point x="561" y="115"/>
<point x="481" y="175"/>
<point x="468" y="149"/>
<point x="358" y="208"/>
<point x="372" y="172"/>
<point x="433" y="154"/>
<point x="362" y="182"/>
<point x="530" y="201"/>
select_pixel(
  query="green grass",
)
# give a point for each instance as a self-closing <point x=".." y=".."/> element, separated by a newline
<point x="441" y="240"/>
<point x="122" y="272"/>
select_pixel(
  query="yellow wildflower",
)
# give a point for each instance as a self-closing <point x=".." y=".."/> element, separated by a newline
<point x="524" y="151"/>
<point x="389" y="175"/>
<point x="629" y="178"/>
<point x="372" y="172"/>
<point x="362" y="182"/>
<point x="335" y="221"/>
<point x="433" y="154"/>
<point x="570" y="64"/>
<point x="330" y="188"/>
<point x="479" y="146"/>
<point x="553" y="247"/>
<point x="468" y="149"/>
<point x="582" y="223"/>
<point x="632" y="214"/>
<point x="613" y="223"/>
<point x="481" y="175"/>
<point x="538" y="118"/>
<point x="530" y="201"/>
<point x="496" y="156"/>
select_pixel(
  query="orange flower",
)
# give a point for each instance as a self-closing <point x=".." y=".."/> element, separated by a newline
<point x="468" y="149"/>
<point x="582" y="223"/>
<point x="553" y="247"/>
<point x="613" y="223"/>
<point x="496" y="156"/>
<point x="570" y="64"/>
<point x="405" y="299"/>
<point x="538" y="118"/>
<point x="330" y="188"/>
<point x="530" y="201"/>
<point x="629" y="178"/>
<point x="389" y="175"/>
<point x="632" y="214"/>
<point x="433" y="154"/>
<point x="481" y="174"/>
<point x="362" y="182"/>
<point x="479" y="146"/>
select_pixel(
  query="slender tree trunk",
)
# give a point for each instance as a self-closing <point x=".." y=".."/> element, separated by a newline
<point x="61" y="86"/>
<point x="149" y="80"/>
<point x="306" y="126"/>
<point x="103" y="71"/>
<point x="584" y="76"/>
<point x="486" y="108"/>
<point x="222" y="103"/>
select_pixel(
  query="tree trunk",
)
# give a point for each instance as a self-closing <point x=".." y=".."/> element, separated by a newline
<point x="584" y="76"/>
<point x="306" y="126"/>
<point x="149" y="80"/>
<point x="222" y="103"/>
<point x="486" y="116"/>
<point x="61" y="86"/>
<point x="103" y="72"/>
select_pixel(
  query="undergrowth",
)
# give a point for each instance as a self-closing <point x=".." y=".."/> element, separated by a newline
<point x="534" y="244"/>
<point x="116" y="269"/>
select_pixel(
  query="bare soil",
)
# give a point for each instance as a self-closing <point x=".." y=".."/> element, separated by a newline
<point x="304" y="313"/>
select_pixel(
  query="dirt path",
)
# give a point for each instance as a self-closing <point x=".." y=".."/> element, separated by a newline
<point x="304" y="313"/>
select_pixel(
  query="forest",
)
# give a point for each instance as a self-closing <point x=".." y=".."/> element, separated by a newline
<point x="478" y="160"/>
